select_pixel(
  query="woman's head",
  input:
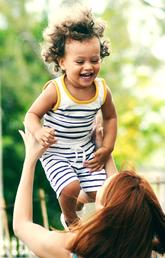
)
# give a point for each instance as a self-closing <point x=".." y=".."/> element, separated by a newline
<point x="75" y="24"/>
<point x="128" y="219"/>
<point x="125" y="187"/>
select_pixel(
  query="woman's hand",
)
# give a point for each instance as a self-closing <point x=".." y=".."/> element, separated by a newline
<point x="33" y="148"/>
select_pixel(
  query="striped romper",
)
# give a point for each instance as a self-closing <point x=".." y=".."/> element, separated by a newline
<point x="73" y="121"/>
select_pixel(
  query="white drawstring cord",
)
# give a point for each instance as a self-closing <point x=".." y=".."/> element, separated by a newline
<point x="76" y="149"/>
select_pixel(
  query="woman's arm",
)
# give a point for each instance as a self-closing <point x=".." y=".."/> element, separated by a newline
<point x="42" y="242"/>
<point x="23" y="203"/>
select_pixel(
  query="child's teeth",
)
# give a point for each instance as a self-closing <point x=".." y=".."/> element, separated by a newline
<point x="86" y="74"/>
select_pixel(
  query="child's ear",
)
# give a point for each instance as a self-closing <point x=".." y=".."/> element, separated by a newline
<point x="61" y="63"/>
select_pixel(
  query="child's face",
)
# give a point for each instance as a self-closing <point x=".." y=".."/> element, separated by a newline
<point x="81" y="61"/>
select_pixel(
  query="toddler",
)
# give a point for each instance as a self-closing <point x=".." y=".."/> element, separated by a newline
<point x="69" y="104"/>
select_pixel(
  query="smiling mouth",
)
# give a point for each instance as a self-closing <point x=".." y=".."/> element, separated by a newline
<point x="86" y="75"/>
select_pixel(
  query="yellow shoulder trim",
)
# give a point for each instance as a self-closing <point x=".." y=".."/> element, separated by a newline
<point x="58" y="96"/>
<point x="57" y="91"/>
<point x="76" y="100"/>
<point x="105" y="90"/>
<point x="46" y="84"/>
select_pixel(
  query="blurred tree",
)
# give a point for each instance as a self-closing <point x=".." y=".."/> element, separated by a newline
<point x="130" y="71"/>
<point x="22" y="77"/>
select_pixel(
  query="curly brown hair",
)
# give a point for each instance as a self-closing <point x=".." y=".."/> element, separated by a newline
<point x="77" y="24"/>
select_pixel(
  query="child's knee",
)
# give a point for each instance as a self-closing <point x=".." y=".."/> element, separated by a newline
<point x="91" y="196"/>
<point x="72" y="190"/>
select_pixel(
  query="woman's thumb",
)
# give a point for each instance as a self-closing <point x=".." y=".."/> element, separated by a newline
<point x="22" y="134"/>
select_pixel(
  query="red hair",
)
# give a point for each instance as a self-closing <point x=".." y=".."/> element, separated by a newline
<point x="130" y="219"/>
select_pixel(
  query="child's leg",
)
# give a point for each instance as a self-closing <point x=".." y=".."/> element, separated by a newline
<point x="60" y="173"/>
<point x="84" y="198"/>
<point x="68" y="201"/>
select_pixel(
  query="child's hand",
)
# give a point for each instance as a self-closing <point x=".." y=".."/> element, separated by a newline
<point x="33" y="149"/>
<point x="99" y="160"/>
<point x="45" y="136"/>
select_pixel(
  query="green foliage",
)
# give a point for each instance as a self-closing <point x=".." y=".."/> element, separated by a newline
<point x="22" y="78"/>
<point x="130" y="73"/>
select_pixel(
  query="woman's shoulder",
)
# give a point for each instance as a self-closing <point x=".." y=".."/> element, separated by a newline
<point x="57" y="244"/>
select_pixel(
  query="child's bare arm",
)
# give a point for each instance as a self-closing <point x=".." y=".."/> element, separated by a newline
<point x="46" y="101"/>
<point x="109" y="136"/>
<point x="109" y="123"/>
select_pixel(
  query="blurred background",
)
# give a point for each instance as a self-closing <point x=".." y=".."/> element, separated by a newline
<point x="134" y="72"/>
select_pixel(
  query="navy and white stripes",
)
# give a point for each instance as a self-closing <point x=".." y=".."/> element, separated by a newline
<point x="73" y="123"/>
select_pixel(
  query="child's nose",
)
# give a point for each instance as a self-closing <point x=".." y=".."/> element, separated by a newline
<point x="88" y="66"/>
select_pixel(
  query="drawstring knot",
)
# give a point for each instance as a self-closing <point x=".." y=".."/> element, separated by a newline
<point x="77" y="149"/>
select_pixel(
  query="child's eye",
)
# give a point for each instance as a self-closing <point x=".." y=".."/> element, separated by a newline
<point x="95" y="61"/>
<point x="80" y="62"/>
